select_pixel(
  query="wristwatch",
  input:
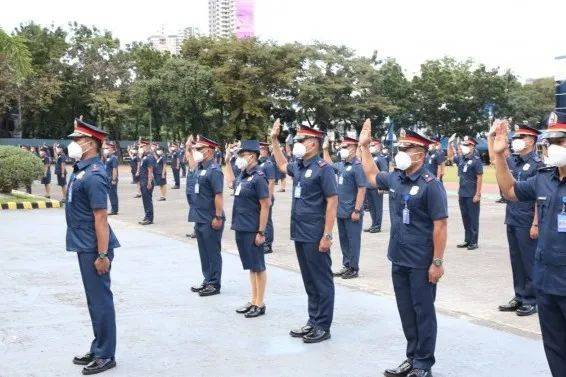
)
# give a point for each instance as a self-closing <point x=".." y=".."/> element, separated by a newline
<point x="221" y="218"/>
<point x="261" y="232"/>
<point x="357" y="211"/>
<point x="437" y="262"/>
<point x="102" y="255"/>
<point x="328" y="236"/>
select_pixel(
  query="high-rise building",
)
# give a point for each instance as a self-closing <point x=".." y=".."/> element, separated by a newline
<point x="231" y="17"/>
<point x="172" y="42"/>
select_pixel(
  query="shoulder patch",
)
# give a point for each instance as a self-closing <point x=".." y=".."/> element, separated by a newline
<point x="322" y="163"/>
<point x="428" y="177"/>
<point x="259" y="172"/>
<point x="95" y="167"/>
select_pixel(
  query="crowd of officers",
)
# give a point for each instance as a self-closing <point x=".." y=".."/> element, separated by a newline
<point x="336" y="187"/>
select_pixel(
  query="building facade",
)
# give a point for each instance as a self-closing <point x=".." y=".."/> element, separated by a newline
<point x="172" y="43"/>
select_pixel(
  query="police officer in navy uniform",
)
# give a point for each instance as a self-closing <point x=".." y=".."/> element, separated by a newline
<point x="374" y="197"/>
<point x="419" y="210"/>
<point x="46" y="179"/>
<point x="435" y="159"/>
<point x="351" y="194"/>
<point x="548" y="189"/>
<point x="61" y="170"/>
<point x="146" y="173"/>
<point x="521" y="221"/>
<point x="90" y="236"/>
<point x="207" y="212"/>
<point x="190" y="193"/>
<point x="111" y="164"/>
<point x="268" y="168"/>
<point x="160" y="173"/>
<point x="470" y="171"/>
<point x="175" y="165"/>
<point x="250" y="214"/>
<point x="313" y="212"/>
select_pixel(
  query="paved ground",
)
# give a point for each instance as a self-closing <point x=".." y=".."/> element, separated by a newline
<point x="165" y="330"/>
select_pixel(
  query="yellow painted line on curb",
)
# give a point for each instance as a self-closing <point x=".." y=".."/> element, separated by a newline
<point x="12" y="205"/>
<point x="41" y="205"/>
<point x="27" y="205"/>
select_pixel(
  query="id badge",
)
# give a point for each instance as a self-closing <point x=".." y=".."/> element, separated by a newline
<point x="70" y="193"/>
<point x="197" y="188"/>
<point x="340" y="180"/>
<point x="406" y="216"/>
<point x="297" y="193"/>
<point x="465" y="169"/>
<point x="561" y="222"/>
<point x="237" y="192"/>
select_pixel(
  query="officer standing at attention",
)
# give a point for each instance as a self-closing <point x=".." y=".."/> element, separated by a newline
<point x="46" y="179"/>
<point x="548" y="189"/>
<point x="90" y="236"/>
<point x="470" y="171"/>
<point x="175" y="165"/>
<point x="207" y="212"/>
<point x="61" y="170"/>
<point x="435" y="159"/>
<point x="250" y="213"/>
<point x="313" y="212"/>
<point x="351" y="193"/>
<point x="266" y="165"/>
<point x="521" y="221"/>
<point x="160" y="173"/>
<point x="111" y="163"/>
<point x="419" y="212"/>
<point x="190" y="194"/>
<point x="147" y="166"/>
<point x="374" y="196"/>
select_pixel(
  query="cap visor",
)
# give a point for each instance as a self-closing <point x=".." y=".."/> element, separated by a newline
<point x="77" y="134"/>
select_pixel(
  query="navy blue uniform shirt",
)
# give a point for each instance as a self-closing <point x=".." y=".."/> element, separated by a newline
<point x="313" y="182"/>
<point x="60" y="160"/>
<point x="88" y="190"/>
<point x="47" y="162"/>
<point x="159" y="166"/>
<point x="111" y="164"/>
<point x="134" y="164"/>
<point x="267" y="167"/>
<point x="521" y="214"/>
<point x="146" y="162"/>
<point x="549" y="192"/>
<point x="237" y="172"/>
<point x="350" y="178"/>
<point x="411" y="245"/>
<point x="190" y="190"/>
<point x="469" y="167"/>
<point x="434" y="159"/>
<point x="209" y="182"/>
<point x="382" y="162"/>
<point x="175" y="160"/>
<point x="251" y="188"/>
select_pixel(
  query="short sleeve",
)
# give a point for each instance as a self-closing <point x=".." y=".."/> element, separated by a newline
<point x="216" y="181"/>
<point x="382" y="180"/>
<point x="382" y="164"/>
<point x="479" y="166"/>
<point x="525" y="191"/>
<point x="291" y="169"/>
<point x="261" y="187"/>
<point x="437" y="202"/>
<point x="359" y="176"/>
<point x="97" y="191"/>
<point x="328" y="181"/>
<point x="115" y="163"/>
<point x="269" y="171"/>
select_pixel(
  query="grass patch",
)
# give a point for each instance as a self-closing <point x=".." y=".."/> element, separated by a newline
<point x="4" y="198"/>
<point x="451" y="174"/>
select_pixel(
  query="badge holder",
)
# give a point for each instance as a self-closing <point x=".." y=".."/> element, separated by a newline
<point x="561" y="218"/>
<point x="406" y="212"/>
<point x="297" y="193"/>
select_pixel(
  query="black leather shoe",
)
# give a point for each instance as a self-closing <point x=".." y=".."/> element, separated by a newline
<point x="137" y="196"/>
<point x="267" y="249"/>
<point x="316" y="335"/>
<point x="341" y="272"/>
<point x="197" y="288"/>
<point x="367" y="229"/>
<point x="145" y="222"/>
<point x="191" y="235"/>
<point x="255" y="311"/>
<point x="244" y="309"/>
<point x="300" y="332"/>
<point x="83" y="360"/>
<point x="174" y="187"/>
<point x="162" y="199"/>
<point x="99" y="366"/>
<point x="526" y="309"/>
<point x="401" y="371"/>
<point x="375" y="229"/>
<point x="350" y="274"/>
<point x="112" y="213"/>
<point x="420" y="373"/>
<point x="511" y="306"/>
<point x="209" y="290"/>
<point x="472" y="246"/>
<point x="463" y="245"/>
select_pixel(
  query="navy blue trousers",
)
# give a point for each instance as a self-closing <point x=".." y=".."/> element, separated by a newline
<point x="147" y="199"/>
<point x="177" y="177"/>
<point x="471" y="218"/>
<point x="100" y="303"/>
<point x="319" y="284"/>
<point x="252" y="256"/>
<point x="269" y="231"/>
<point x="209" y="248"/>
<point x="552" y="318"/>
<point x="375" y="204"/>
<point x="350" y="233"/>
<point x="415" y="301"/>
<point x="522" y="250"/>
<point x="113" y="196"/>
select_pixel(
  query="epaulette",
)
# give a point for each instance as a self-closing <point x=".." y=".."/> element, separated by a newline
<point x="322" y="163"/>
<point x="428" y="177"/>
<point x="260" y="172"/>
<point x="546" y="168"/>
<point x="95" y="167"/>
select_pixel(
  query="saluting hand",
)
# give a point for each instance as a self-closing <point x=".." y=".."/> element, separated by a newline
<point x="276" y="129"/>
<point x="102" y="265"/>
<point x="500" y="142"/>
<point x="365" y="134"/>
<point x="435" y="273"/>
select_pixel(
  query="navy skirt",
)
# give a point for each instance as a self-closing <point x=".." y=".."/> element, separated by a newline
<point x="252" y="256"/>
<point x="62" y="180"/>
<point x="46" y="179"/>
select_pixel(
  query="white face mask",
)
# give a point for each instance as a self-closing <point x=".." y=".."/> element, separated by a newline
<point x="373" y="150"/>
<point x="466" y="150"/>
<point x="140" y="153"/>
<point x="198" y="156"/>
<point x="105" y="152"/>
<point x="159" y="153"/>
<point x="241" y="163"/>
<point x="518" y="145"/>
<point x="299" y="150"/>
<point x="75" y="150"/>
<point x="402" y="160"/>
<point x="344" y="153"/>
<point x="556" y="156"/>
<point x="431" y="148"/>
<point x="384" y="151"/>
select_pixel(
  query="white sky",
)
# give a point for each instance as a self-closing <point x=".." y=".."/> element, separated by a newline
<point x="523" y="35"/>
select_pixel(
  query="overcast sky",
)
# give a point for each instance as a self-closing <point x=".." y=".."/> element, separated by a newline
<point x="522" y="35"/>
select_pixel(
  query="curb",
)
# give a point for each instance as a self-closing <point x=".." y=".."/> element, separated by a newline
<point x="38" y="202"/>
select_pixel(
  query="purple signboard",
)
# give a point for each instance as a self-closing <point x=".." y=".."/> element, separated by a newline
<point x="245" y="18"/>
